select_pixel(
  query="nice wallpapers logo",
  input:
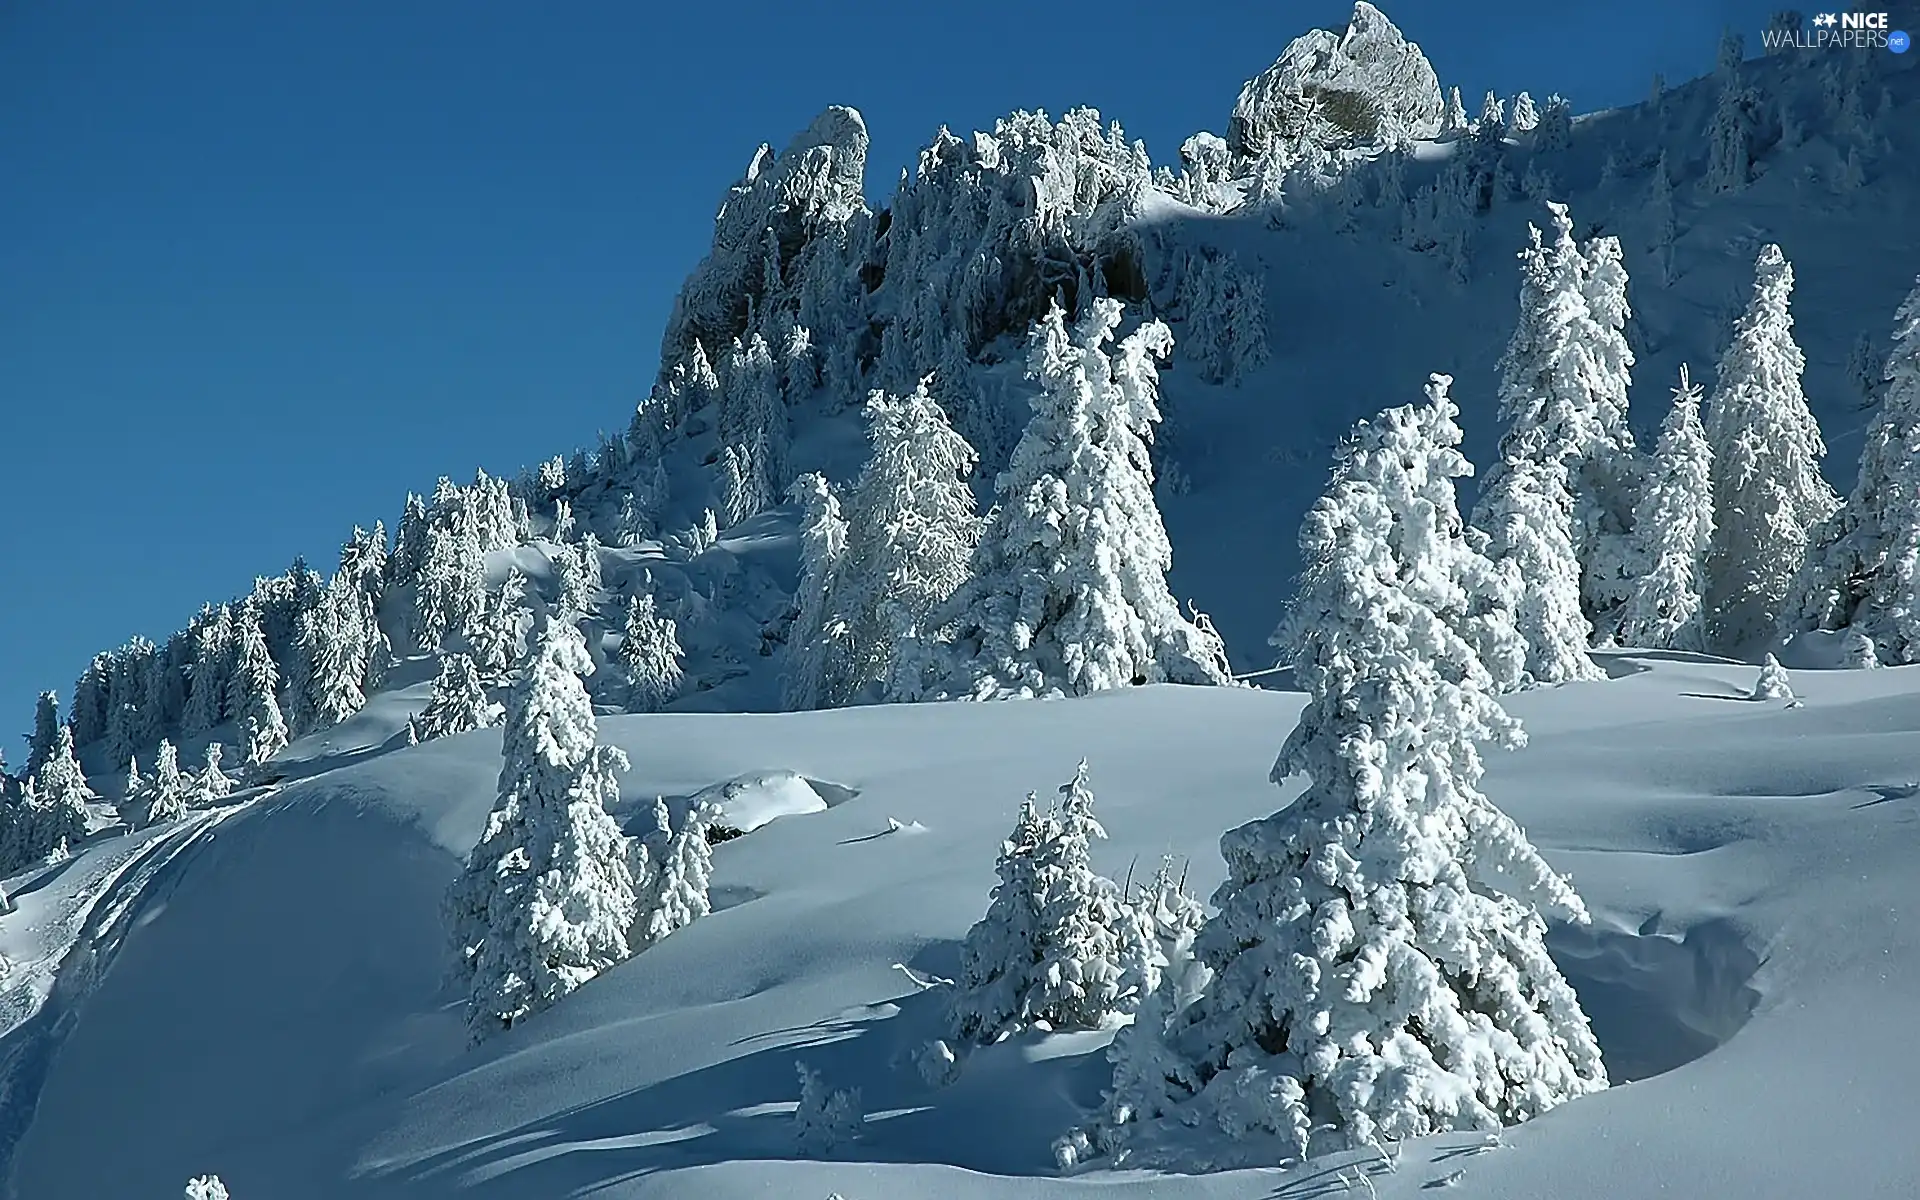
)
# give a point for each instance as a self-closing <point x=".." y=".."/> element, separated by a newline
<point x="1841" y="31"/>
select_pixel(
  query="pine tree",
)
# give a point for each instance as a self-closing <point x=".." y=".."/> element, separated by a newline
<point x="1555" y="131"/>
<point x="1453" y="117"/>
<point x="814" y="660"/>
<point x="677" y="896"/>
<point x="910" y="533"/>
<point x="458" y="703"/>
<point x="206" y="1187"/>
<point x="212" y="786"/>
<point x="1068" y="588"/>
<point x="1526" y="118"/>
<point x="825" y="1118"/>
<point x="650" y="656"/>
<point x="1730" y="133"/>
<point x="210" y="677"/>
<point x="87" y="715"/>
<point x="546" y="900"/>
<point x="1493" y="119"/>
<point x="1527" y="513"/>
<point x="167" y="793"/>
<point x="250" y="693"/>
<point x="1772" y="682"/>
<point x="1672" y="526"/>
<point x="1665" y="228"/>
<point x="1063" y="960"/>
<point x="1863" y="370"/>
<point x="1862" y="570"/>
<point x="1379" y="960"/>
<point x="59" y="816"/>
<point x="45" y="735"/>
<point x="1768" y="495"/>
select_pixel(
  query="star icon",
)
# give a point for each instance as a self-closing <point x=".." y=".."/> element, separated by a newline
<point x="1826" y="19"/>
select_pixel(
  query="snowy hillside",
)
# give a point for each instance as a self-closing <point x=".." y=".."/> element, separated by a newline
<point x="277" y="1012"/>
<point x="346" y="890"/>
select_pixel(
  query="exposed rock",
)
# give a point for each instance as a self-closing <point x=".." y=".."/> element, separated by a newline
<point x="1367" y="85"/>
<point x="780" y="205"/>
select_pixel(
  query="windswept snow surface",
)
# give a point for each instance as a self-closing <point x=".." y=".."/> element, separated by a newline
<point x="276" y="1011"/>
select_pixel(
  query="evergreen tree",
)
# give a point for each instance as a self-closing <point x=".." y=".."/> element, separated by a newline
<point x="210" y="677"/>
<point x="87" y="715"/>
<point x="1863" y="567"/>
<point x="1453" y="117"/>
<point x="650" y="656"/>
<point x="546" y="900"/>
<point x="250" y="694"/>
<point x="1379" y="955"/>
<point x="1730" y="133"/>
<point x="1068" y="588"/>
<point x="211" y="786"/>
<point x="1555" y="131"/>
<point x="1768" y="495"/>
<point x="1665" y="227"/>
<point x="206" y="1187"/>
<point x="1054" y="950"/>
<point x="46" y="732"/>
<point x="814" y="660"/>
<point x="677" y="896"/>
<point x="458" y="703"/>
<point x="1772" y="682"/>
<point x="1526" y="118"/>
<point x="1672" y="526"/>
<point x="910" y="532"/>
<point x="58" y="817"/>
<point x="166" y="795"/>
<point x="1527" y="514"/>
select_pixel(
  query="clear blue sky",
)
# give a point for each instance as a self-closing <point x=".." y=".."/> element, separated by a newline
<point x="265" y="266"/>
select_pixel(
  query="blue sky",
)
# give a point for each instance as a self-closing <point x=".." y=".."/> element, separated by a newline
<point x="267" y="266"/>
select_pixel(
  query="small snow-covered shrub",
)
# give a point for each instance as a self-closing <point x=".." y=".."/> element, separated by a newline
<point x="206" y="1187"/>
<point x="826" y="1118"/>
<point x="1772" y="683"/>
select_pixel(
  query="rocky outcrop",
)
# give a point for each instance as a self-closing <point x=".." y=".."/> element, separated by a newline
<point x="1366" y="85"/>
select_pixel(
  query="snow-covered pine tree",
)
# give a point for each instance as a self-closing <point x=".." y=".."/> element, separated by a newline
<point x="250" y="691"/>
<point x="458" y="703"/>
<point x="1223" y="317"/>
<point x="1768" y="495"/>
<point x="1492" y="125"/>
<point x="677" y="896"/>
<point x="1453" y="117"/>
<point x="167" y="793"/>
<point x="1068" y="588"/>
<point x="826" y="1118"/>
<point x="212" y="786"/>
<point x="45" y="735"/>
<point x="1563" y="384"/>
<point x="814" y="661"/>
<point x="208" y="678"/>
<point x="650" y="656"/>
<point x="1672" y="526"/>
<point x="498" y="638"/>
<point x="333" y="648"/>
<point x="1730" y="133"/>
<point x="1666" y="229"/>
<point x="87" y="713"/>
<point x="1864" y="370"/>
<point x="573" y="581"/>
<point x="910" y="531"/>
<point x="546" y="899"/>
<point x="1555" y="131"/>
<point x="1772" y="682"/>
<point x="206" y="1187"/>
<point x="1379" y="957"/>
<point x="1526" y="118"/>
<point x="59" y="816"/>
<point x="1527" y="514"/>
<point x="1862" y="570"/>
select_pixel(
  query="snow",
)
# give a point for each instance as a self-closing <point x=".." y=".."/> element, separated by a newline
<point x="747" y="802"/>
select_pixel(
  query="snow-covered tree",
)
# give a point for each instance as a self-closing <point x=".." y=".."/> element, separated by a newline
<point x="650" y="656"/>
<point x="45" y="735"/>
<point x="1453" y="116"/>
<point x="498" y="638"/>
<point x="206" y="1187"/>
<point x="87" y="713"/>
<point x="1768" y="495"/>
<point x="1526" y="118"/>
<point x="1730" y="132"/>
<point x="1672" y="527"/>
<point x="574" y="582"/>
<point x="212" y="785"/>
<point x="1862" y="570"/>
<point x="1059" y="947"/>
<point x="250" y="692"/>
<point x="1493" y="118"/>
<point x="1563" y="388"/>
<point x="1379" y="955"/>
<point x="814" y="659"/>
<point x="1858" y="653"/>
<point x="1864" y="370"/>
<point x="1527" y="513"/>
<point x="1223" y="317"/>
<point x="826" y="1118"/>
<point x="1068" y="588"/>
<point x="910" y="532"/>
<point x="166" y="795"/>
<point x="332" y="643"/>
<point x="210" y="677"/>
<point x="677" y="894"/>
<point x="546" y="900"/>
<point x="1665" y="227"/>
<point x="1772" y="682"/>
<point x="59" y="815"/>
<point x="703" y="535"/>
<point x="458" y="703"/>
<point x="1555" y="130"/>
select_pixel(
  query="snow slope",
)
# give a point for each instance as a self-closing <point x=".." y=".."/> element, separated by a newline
<point x="276" y="1014"/>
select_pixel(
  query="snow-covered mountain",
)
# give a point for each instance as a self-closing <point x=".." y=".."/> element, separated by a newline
<point x="1074" y="349"/>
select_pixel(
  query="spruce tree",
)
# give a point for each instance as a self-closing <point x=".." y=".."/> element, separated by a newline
<point x="212" y="785"/>
<point x="250" y="695"/>
<point x="814" y="659"/>
<point x="458" y="703"/>
<point x="650" y="656"/>
<point x="210" y="678"/>
<point x="1379" y="955"/>
<point x="58" y="817"/>
<point x="1863" y="566"/>
<point x="910" y="533"/>
<point x="677" y="895"/>
<point x="1768" y="495"/>
<point x="167" y="794"/>
<point x="546" y="900"/>
<point x="1673" y="526"/>
<point x="45" y="735"/>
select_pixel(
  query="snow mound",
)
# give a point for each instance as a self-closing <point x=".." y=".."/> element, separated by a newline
<point x="1365" y="82"/>
<point x="746" y="802"/>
